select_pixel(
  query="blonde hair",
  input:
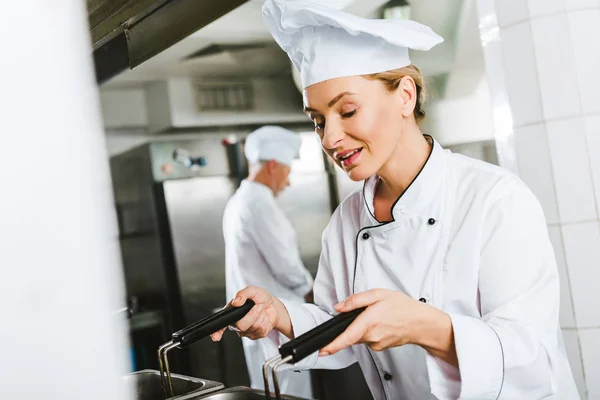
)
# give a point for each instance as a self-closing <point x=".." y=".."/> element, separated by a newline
<point x="391" y="79"/>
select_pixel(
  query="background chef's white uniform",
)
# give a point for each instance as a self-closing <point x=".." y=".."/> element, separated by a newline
<point x="262" y="250"/>
<point x="467" y="237"/>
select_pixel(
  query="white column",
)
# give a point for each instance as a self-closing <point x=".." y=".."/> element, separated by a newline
<point x="61" y="280"/>
<point x="543" y="64"/>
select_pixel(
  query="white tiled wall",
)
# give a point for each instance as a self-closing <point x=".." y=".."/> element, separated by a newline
<point x="533" y="154"/>
<point x="592" y="127"/>
<point x="584" y="27"/>
<point x="582" y="251"/>
<point x="572" y="173"/>
<point x="521" y="78"/>
<point x="572" y="346"/>
<point x="551" y="62"/>
<point x="510" y="12"/>
<point x="590" y="347"/>
<point x="567" y="314"/>
<point x="581" y="4"/>
<point x="556" y="69"/>
<point x="538" y="8"/>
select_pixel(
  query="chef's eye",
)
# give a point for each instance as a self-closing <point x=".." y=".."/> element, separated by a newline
<point x="349" y="114"/>
<point x="319" y="124"/>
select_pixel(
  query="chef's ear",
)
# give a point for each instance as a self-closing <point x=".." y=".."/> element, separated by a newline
<point x="271" y="166"/>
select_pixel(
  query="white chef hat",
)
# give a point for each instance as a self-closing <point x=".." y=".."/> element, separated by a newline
<point x="272" y="143"/>
<point x="325" y="43"/>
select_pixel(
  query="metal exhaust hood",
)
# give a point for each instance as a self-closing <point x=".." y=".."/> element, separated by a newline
<point x="125" y="33"/>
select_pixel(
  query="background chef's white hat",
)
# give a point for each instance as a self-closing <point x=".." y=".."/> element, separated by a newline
<point x="324" y="43"/>
<point x="272" y="143"/>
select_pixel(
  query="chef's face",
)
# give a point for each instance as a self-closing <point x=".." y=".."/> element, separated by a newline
<point x="280" y="177"/>
<point x="358" y="120"/>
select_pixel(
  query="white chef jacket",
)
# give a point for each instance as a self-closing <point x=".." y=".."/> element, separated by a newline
<point x="262" y="250"/>
<point x="470" y="239"/>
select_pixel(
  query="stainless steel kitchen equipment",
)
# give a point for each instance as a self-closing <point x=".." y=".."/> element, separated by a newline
<point x="191" y="334"/>
<point x="301" y="347"/>
<point x="159" y="385"/>
<point x="147" y="385"/>
<point x="125" y="33"/>
<point x="292" y="352"/>
<point x="243" y="393"/>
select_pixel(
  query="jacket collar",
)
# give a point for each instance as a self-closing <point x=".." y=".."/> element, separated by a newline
<point x="420" y="192"/>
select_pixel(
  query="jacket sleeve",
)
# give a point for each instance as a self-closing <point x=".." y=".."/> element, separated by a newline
<point x="305" y="317"/>
<point x="277" y="243"/>
<point x="512" y="350"/>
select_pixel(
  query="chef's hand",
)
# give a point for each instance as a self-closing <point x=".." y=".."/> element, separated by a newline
<point x="393" y="319"/>
<point x="269" y="313"/>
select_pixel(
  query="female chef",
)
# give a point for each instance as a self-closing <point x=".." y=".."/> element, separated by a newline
<point x="450" y="255"/>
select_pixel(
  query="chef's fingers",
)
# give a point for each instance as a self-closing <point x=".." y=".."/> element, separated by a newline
<point x="216" y="336"/>
<point x="246" y="323"/>
<point x="258" y="295"/>
<point x="257" y="328"/>
<point x="352" y="335"/>
<point x="359" y="300"/>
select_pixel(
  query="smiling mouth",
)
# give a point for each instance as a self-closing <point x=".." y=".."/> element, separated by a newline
<point x="348" y="158"/>
<point x="348" y="155"/>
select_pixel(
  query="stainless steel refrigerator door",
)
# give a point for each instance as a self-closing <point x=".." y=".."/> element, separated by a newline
<point x="195" y="209"/>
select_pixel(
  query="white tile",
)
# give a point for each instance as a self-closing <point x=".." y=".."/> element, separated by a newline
<point x="535" y="168"/>
<point x="592" y="127"/>
<point x="590" y="348"/>
<point x="486" y="8"/>
<point x="556" y="67"/>
<point x="509" y="12"/>
<point x="538" y="8"/>
<point x="582" y="252"/>
<point x="581" y="4"/>
<point x="585" y="40"/>
<point x="572" y="172"/>
<point x="574" y="354"/>
<point x="567" y="317"/>
<point x="520" y="73"/>
<point x="494" y="68"/>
